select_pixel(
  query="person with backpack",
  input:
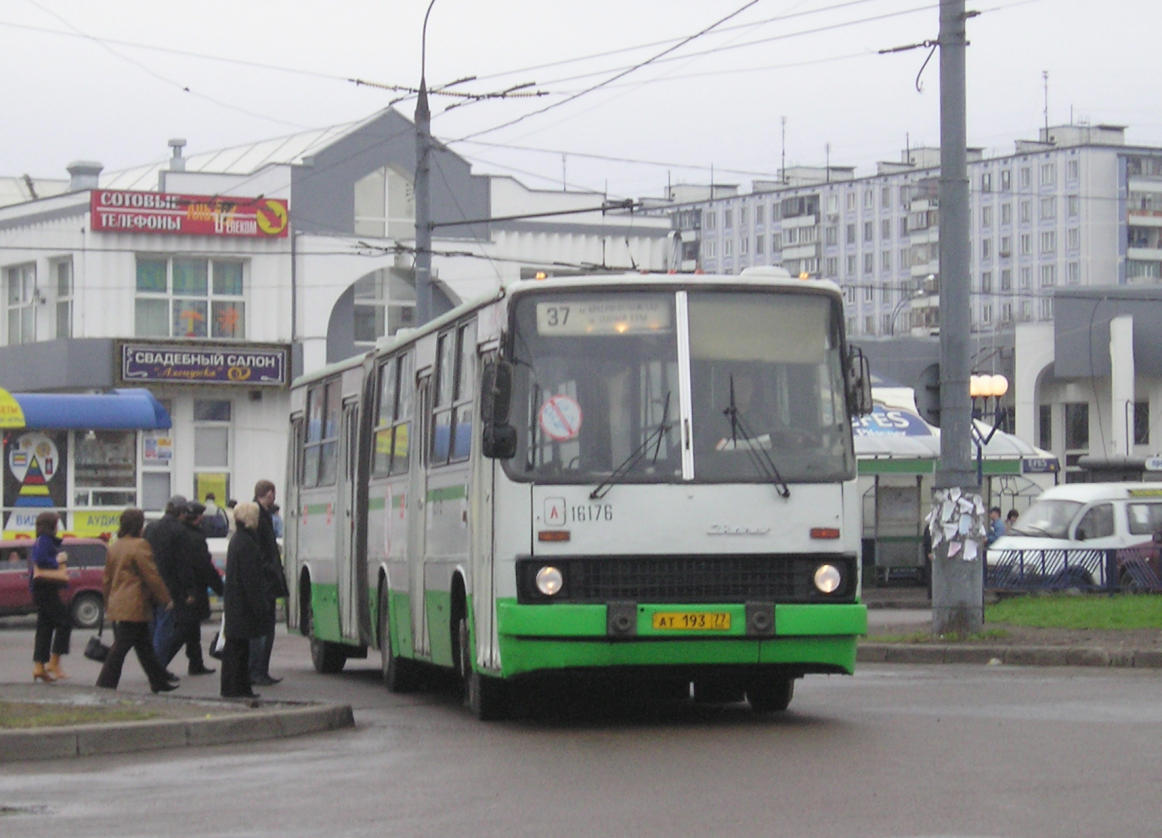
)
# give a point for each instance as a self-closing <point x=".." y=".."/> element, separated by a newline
<point x="214" y="521"/>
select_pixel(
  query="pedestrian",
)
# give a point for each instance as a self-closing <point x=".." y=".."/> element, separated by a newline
<point x="132" y="588"/>
<point x="188" y="617"/>
<point x="214" y="520"/>
<point x="1011" y="520"/>
<point x="262" y="646"/>
<point x="47" y="574"/>
<point x="246" y="602"/>
<point x="172" y="550"/>
<point x="996" y="525"/>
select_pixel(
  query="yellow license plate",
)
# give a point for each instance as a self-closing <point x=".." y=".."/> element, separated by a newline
<point x="692" y="620"/>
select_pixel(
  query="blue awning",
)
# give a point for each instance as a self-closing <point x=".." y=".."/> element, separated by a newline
<point x="129" y="409"/>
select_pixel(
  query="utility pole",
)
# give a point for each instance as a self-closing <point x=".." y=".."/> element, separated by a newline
<point x="423" y="261"/>
<point x="958" y="514"/>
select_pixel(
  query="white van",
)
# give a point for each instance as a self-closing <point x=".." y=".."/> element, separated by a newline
<point x="1084" y="516"/>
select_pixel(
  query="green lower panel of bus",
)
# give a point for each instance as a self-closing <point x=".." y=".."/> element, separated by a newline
<point x="566" y="636"/>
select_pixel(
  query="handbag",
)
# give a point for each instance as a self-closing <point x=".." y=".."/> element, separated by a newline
<point x="95" y="649"/>
<point x="218" y="641"/>
<point x="58" y="577"/>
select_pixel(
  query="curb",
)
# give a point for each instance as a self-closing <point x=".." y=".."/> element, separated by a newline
<point x="1010" y="655"/>
<point x="247" y="723"/>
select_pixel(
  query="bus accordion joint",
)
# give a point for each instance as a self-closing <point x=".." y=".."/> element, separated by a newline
<point x="825" y="532"/>
<point x="553" y="535"/>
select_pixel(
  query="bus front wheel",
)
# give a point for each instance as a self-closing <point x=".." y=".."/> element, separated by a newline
<point x="771" y="695"/>
<point x="483" y="695"/>
<point x="327" y="658"/>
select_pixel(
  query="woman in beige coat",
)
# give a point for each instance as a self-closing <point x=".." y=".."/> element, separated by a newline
<point x="132" y="587"/>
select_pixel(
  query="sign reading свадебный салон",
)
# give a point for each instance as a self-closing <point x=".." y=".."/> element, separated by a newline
<point x="120" y="211"/>
<point x="250" y="366"/>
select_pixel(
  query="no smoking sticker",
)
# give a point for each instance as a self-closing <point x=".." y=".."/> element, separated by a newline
<point x="560" y="418"/>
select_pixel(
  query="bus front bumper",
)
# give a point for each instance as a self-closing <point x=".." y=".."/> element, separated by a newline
<point x="564" y="636"/>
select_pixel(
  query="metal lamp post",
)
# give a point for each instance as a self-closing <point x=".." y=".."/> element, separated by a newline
<point x="423" y="263"/>
<point x="981" y="389"/>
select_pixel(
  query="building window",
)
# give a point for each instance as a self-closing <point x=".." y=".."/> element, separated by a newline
<point x="851" y="201"/>
<point x="1006" y="213"/>
<point x="385" y="302"/>
<point x="1006" y="279"/>
<point x="868" y="231"/>
<point x="1006" y="246"/>
<point x="727" y="219"/>
<point x="711" y="220"/>
<point x="190" y="298"/>
<point x="869" y="294"/>
<point x="758" y="214"/>
<point x="886" y="197"/>
<point x="776" y="242"/>
<point x="728" y="247"/>
<point x="831" y="236"/>
<point x="986" y="282"/>
<point x="1046" y="308"/>
<point x="1026" y="212"/>
<point x="1048" y="174"/>
<point x="1073" y="273"/>
<point x="20" y="301"/>
<point x="1006" y="180"/>
<point x="986" y="248"/>
<point x="742" y="216"/>
<point x="744" y="245"/>
<point x="986" y="182"/>
<point x="212" y="444"/>
<point x="851" y="265"/>
<point x="849" y="294"/>
<point x="869" y="324"/>
<point x="986" y="216"/>
<point x="1048" y="208"/>
<point x="1025" y="177"/>
<point x="1073" y="205"/>
<point x="105" y="469"/>
<point x="758" y="244"/>
<point x="868" y="199"/>
<point x="1048" y="242"/>
<point x="1076" y="426"/>
<point x="1141" y="423"/>
<point x="1026" y="244"/>
<point x="886" y="229"/>
<point x="851" y="234"/>
<point x="885" y="324"/>
<point x="868" y="263"/>
<point x="1073" y="238"/>
<point x="1045" y="426"/>
<point x="832" y="265"/>
<point x="1026" y="278"/>
<point x="905" y="257"/>
<point x="1072" y="170"/>
<point x="986" y="314"/>
<point x="64" y="298"/>
<point x="1048" y="275"/>
<point x="1006" y="312"/>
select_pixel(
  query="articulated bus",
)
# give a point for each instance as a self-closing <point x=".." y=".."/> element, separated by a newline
<point x="647" y="477"/>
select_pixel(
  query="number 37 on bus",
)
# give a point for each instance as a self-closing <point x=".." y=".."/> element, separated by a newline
<point x="638" y="477"/>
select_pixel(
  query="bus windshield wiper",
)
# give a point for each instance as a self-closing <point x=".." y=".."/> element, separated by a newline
<point x="755" y="452"/>
<point x="653" y="438"/>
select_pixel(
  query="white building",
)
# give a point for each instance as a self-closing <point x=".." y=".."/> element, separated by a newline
<point x="214" y="279"/>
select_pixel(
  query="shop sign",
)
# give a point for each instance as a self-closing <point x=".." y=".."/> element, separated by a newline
<point x="120" y="211"/>
<point x="35" y="478"/>
<point x="254" y="366"/>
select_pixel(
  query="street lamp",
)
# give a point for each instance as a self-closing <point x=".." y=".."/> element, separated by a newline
<point x="981" y="388"/>
<point x="915" y="295"/>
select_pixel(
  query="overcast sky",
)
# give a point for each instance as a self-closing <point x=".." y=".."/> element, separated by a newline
<point x="112" y="81"/>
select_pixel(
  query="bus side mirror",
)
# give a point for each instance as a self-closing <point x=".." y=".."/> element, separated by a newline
<point x="499" y="437"/>
<point x="859" y="384"/>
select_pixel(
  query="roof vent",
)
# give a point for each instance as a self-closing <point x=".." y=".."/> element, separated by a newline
<point x="177" y="163"/>
<point x="83" y="174"/>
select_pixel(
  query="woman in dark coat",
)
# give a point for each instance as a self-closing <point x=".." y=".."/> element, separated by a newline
<point x="132" y="588"/>
<point x="245" y="602"/>
<point x="54" y="624"/>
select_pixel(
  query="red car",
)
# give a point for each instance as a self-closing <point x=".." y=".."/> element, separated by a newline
<point x="83" y="596"/>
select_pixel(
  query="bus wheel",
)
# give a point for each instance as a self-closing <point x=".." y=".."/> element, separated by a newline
<point x="398" y="674"/>
<point x="483" y="695"/>
<point x="327" y="658"/>
<point x="771" y="695"/>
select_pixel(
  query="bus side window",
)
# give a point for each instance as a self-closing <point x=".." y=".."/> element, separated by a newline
<point x="465" y="393"/>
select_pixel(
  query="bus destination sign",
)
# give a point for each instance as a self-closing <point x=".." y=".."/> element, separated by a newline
<point x="614" y="316"/>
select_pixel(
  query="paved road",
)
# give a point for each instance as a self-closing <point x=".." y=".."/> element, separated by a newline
<point x="894" y="751"/>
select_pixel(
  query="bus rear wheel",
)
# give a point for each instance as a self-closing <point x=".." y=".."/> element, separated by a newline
<point x="484" y="695"/>
<point x="771" y="695"/>
<point x="398" y="674"/>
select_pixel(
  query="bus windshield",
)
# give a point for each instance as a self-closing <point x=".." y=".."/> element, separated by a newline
<point x="596" y="388"/>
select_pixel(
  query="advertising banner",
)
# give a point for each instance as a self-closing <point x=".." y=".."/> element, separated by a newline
<point x="120" y="211"/>
<point x="166" y="363"/>
<point x="35" y="478"/>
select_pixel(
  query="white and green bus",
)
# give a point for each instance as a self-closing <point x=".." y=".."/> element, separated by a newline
<point x="642" y="476"/>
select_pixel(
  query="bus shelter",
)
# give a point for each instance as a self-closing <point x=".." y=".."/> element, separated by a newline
<point x="86" y="455"/>
<point x="898" y="454"/>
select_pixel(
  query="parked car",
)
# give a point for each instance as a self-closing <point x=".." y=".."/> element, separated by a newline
<point x="1075" y="519"/>
<point x="83" y="596"/>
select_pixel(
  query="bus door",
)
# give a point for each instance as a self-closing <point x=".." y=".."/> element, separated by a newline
<point x="417" y="512"/>
<point x="352" y="577"/>
<point x="291" y="518"/>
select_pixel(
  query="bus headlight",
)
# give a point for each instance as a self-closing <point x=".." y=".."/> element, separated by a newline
<point x="827" y="578"/>
<point x="549" y="580"/>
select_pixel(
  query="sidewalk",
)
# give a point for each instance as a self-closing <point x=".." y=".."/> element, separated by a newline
<point x="175" y="722"/>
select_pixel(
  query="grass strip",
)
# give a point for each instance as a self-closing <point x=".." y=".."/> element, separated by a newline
<point x="1072" y="611"/>
<point x="29" y="714"/>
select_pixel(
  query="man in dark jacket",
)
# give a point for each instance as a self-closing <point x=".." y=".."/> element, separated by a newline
<point x="188" y="619"/>
<point x="172" y="554"/>
<point x="261" y="647"/>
